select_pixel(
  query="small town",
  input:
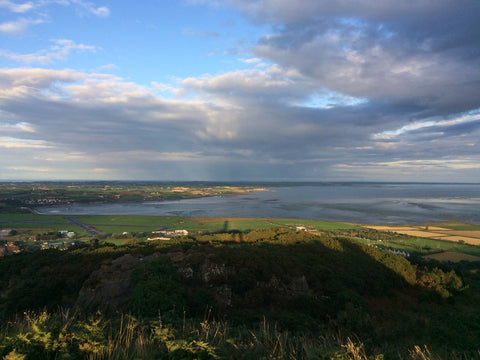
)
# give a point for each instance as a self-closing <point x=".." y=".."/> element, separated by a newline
<point x="64" y="240"/>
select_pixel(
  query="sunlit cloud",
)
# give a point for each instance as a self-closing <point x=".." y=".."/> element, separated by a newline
<point x="427" y="124"/>
<point x="30" y="169"/>
<point x="24" y="127"/>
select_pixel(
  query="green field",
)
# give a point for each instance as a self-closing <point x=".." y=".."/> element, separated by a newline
<point x="140" y="223"/>
<point x="459" y="226"/>
<point x="32" y="221"/>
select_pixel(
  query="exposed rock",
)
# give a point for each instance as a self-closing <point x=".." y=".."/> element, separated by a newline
<point x="211" y="271"/>
<point x="109" y="287"/>
<point x="206" y="268"/>
<point x="299" y="285"/>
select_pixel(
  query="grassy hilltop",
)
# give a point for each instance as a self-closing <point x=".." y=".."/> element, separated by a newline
<point x="270" y="293"/>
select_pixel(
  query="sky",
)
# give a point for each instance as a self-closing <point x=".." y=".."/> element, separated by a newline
<point x="239" y="90"/>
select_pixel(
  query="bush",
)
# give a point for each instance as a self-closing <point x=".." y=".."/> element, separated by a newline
<point x="158" y="289"/>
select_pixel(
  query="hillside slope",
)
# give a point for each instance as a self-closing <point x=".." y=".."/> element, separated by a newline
<point x="299" y="283"/>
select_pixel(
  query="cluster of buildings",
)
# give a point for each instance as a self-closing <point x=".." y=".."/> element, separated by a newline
<point x="167" y="235"/>
<point x="10" y="247"/>
<point x="67" y="234"/>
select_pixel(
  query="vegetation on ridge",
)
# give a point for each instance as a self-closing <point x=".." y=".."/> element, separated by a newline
<point x="266" y="293"/>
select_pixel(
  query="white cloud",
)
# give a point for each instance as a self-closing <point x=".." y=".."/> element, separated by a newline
<point x="430" y="124"/>
<point x="59" y="51"/>
<point x="251" y="60"/>
<point x="101" y="11"/>
<point x="17" y="8"/>
<point x="18" y="26"/>
<point x="271" y="84"/>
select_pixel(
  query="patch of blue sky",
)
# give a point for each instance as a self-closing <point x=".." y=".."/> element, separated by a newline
<point x="329" y="99"/>
<point x="180" y="41"/>
<point x="143" y="42"/>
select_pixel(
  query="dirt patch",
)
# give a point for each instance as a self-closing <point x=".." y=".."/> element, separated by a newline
<point x="452" y="256"/>
<point x="437" y="228"/>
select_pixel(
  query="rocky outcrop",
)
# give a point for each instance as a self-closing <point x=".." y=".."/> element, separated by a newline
<point x="227" y="283"/>
<point x="223" y="280"/>
<point x="109" y="287"/>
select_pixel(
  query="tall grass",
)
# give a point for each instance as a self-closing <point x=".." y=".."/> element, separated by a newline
<point x="65" y="335"/>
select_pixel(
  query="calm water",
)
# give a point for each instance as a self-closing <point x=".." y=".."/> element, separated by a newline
<point x="349" y="202"/>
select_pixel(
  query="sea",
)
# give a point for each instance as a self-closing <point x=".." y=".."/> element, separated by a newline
<point x="363" y="203"/>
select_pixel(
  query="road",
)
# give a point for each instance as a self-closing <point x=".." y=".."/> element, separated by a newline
<point x="88" y="228"/>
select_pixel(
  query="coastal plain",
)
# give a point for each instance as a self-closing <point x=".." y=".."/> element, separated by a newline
<point x="446" y="241"/>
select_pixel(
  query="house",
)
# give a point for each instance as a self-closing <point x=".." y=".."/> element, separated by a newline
<point x="66" y="233"/>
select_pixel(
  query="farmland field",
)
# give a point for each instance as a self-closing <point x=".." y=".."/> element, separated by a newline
<point x="136" y="223"/>
<point x="470" y="234"/>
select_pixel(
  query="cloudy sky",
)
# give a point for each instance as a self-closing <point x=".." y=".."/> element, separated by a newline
<point x="240" y="90"/>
